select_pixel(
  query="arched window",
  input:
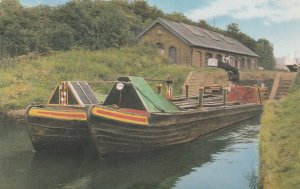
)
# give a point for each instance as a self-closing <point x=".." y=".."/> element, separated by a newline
<point x="254" y="66"/>
<point x="207" y="56"/>
<point x="248" y="64"/>
<point x="161" y="48"/>
<point x="236" y="63"/>
<point x="199" y="54"/>
<point x="219" y="57"/>
<point x="243" y="63"/>
<point x="172" y="54"/>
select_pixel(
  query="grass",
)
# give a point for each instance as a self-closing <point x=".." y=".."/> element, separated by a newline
<point x="26" y="80"/>
<point x="257" y="74"/>
<point x="280" y="141"/>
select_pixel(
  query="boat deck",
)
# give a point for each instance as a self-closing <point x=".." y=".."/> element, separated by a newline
<point x="193" y="102"/>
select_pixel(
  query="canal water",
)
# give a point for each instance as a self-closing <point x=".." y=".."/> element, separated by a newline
<point x="226" y="159"/>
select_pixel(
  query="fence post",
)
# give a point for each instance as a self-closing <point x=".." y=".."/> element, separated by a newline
<point x="169" y="92"/>
<point x="225" y="95"/>
<point x="259" y="95"/>
<point x="201" y="92"/>
<point x="159" y="87"/>
<point x="187" y="90"/>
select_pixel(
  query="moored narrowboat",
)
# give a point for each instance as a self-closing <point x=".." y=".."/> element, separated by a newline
<point x="133" y="118"/>
<point x="61" y="125"/>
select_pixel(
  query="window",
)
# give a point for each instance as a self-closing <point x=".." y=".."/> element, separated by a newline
<point x="207" y="56"/>
<point x="254" y="66"/>
<point x="172" y="54"/>
<point x="248" y="66"/>
<point x="160" y="45"/>
<point x="243" y="63"/>
<point x="199" y="54"/>
<point x="161" y="48"/>
<point x="236" y="64"/>
<point x="219" y="57"/>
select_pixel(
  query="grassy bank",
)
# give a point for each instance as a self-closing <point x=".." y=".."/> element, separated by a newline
<point x="28" y="80"/>
<point x="280" y="141"/>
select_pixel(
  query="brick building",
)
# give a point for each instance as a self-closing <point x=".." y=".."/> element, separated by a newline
<point x="190" y="45"/>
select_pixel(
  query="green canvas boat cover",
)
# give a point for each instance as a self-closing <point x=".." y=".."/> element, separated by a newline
<point x="153" y="102"/>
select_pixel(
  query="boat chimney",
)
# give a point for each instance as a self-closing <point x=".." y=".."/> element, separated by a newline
<point x="169" y="92"/>
<point x="159" y="87"/>
<point x="187" y="90"/>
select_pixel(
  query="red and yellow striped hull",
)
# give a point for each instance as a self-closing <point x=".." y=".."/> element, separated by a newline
<point x="121" y="116"/>
<point x="57" y="114"/>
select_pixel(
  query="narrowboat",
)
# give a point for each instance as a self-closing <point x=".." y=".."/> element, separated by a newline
<point x="134" y="118"/>
<point x="61" y="124"/>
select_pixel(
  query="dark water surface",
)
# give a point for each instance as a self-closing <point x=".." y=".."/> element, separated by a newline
<point x="222" y="160"/>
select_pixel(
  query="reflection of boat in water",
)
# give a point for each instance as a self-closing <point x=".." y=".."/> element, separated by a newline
<point x="50" y="170"/>
<point x="61" y="125"/>
<point x="133" y="118"/>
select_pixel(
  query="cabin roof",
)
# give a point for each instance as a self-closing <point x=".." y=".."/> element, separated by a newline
<point x="75" y="93"/>
<point x="141" y="94"/>
<point x="199" y="37"/>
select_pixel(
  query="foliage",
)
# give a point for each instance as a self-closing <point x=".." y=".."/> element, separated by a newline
<point x="265" y="50"/>
<point x="233" y="30"/>
<point x="204" y="24"/>
<point x="87" y="24"/>
<point x="262" y="46"/>
<point x="145" y="11"/>
<point x="32" y="80"/>
<point x="280" y="140"/>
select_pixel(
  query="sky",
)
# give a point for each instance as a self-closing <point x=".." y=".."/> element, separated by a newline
<point x="275" y="20"/>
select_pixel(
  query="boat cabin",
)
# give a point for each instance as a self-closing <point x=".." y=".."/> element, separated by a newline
<point x="73" y="93"/>
<point x="135" y="93"/>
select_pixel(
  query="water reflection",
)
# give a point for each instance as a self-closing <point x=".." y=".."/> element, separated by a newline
<point x="15" y="154"/>
<point x="200" y="164"/>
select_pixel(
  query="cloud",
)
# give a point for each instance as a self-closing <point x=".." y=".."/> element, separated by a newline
<point x="268" y="10"/>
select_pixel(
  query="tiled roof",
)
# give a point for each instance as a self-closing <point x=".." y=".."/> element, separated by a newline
<point x="200" y="37"/>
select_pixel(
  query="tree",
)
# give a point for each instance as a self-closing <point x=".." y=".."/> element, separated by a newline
<point x="145" y="11"/>
<point x="233" y="30"/>
<point x="265" y="49"/>
<point x="203" y="24"/>
<point x="178" y="17"/>
<point x="61" y="37"/>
